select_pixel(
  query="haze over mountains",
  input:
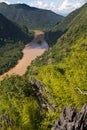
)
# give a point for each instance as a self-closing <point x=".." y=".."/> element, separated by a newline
<point x="32" y="17"/>
<point x="55" y="79"/>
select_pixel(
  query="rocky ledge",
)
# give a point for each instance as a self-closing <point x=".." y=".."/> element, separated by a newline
<point x="72" y="120"/>
<point x="43" y="96"/>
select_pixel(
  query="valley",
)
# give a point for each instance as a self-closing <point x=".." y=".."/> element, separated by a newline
<point x="30" y="52"/>
<point x="51" y="76"/>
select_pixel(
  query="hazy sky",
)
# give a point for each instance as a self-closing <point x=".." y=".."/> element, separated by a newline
<point x="59" y="6"/>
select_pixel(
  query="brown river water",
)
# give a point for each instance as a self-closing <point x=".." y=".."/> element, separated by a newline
<point x="30" y="52"/>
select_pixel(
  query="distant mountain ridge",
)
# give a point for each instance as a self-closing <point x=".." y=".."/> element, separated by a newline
<point x="58" y="79"/>
<point x="32" y="17"/>
<point x="74" y="31"/>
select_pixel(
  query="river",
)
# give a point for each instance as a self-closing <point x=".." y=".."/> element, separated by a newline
<point x="30" y="52"/>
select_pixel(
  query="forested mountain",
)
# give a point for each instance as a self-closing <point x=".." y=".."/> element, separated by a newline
<point x="33" y="18"/>
<point x="12" y="40"/>
<point x="58" y="78"/>
<point x="62" y="27"/>
<point x="75" y="35"/>
<point x="63" y="67"/>
<point x="11" y="31"/>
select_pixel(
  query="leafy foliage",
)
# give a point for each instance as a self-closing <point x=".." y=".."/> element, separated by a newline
<point x="17" y="101"/>
<point x="10" y="53"/>
<point x="62" y="68"/>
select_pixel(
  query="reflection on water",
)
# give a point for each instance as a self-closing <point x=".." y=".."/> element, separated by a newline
<point x="30" y="52"/>
<point x="34" y="45"/>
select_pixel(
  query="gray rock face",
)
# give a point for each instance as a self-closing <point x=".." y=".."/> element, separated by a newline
<point x="72" y="120"/>
<point x="44" y="98"/>
<point x="6" y="121"/>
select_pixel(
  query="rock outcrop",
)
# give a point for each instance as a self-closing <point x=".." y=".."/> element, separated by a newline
<point x="72" y="120"/>
<point x="6" y="121"/>
<point x="44" y="98"/>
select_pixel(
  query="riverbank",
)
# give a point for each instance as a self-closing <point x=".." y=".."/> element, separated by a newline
<point x="30" y="52"/>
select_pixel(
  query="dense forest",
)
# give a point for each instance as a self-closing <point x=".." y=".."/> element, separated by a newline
<point x="12" y="41"/>
<point x="61" y="74"/>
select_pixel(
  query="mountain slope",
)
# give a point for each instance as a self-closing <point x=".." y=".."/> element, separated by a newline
<point x="33" y="18"/>
<point x="9" y="30"/>
<point x="62" y="69"/>
<point x="12" y="40"/>
<point x="61" y="28"/>
<point x="76" y="33"/>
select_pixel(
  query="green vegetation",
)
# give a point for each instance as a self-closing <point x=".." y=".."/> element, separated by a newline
<point x="76" y="35"/>
<point x="62" y="84"/>
<point x="12" y="40"/>
<point x="59" y="29"/>
<point x="62" y="68"/>
<point x="11" y="31"/>
<point x="33" y="18"/>
<point x="17" y="101"/>
<point x="9" y="55"/>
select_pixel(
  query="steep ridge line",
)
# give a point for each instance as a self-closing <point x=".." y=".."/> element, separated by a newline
<point x="30" y="52"/>
<point x="44" y="98"/>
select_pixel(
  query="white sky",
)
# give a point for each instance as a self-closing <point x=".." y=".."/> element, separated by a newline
<point x="63" y="7"/>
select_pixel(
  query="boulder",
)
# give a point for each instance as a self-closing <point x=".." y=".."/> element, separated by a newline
<point x="72" y="120"/>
